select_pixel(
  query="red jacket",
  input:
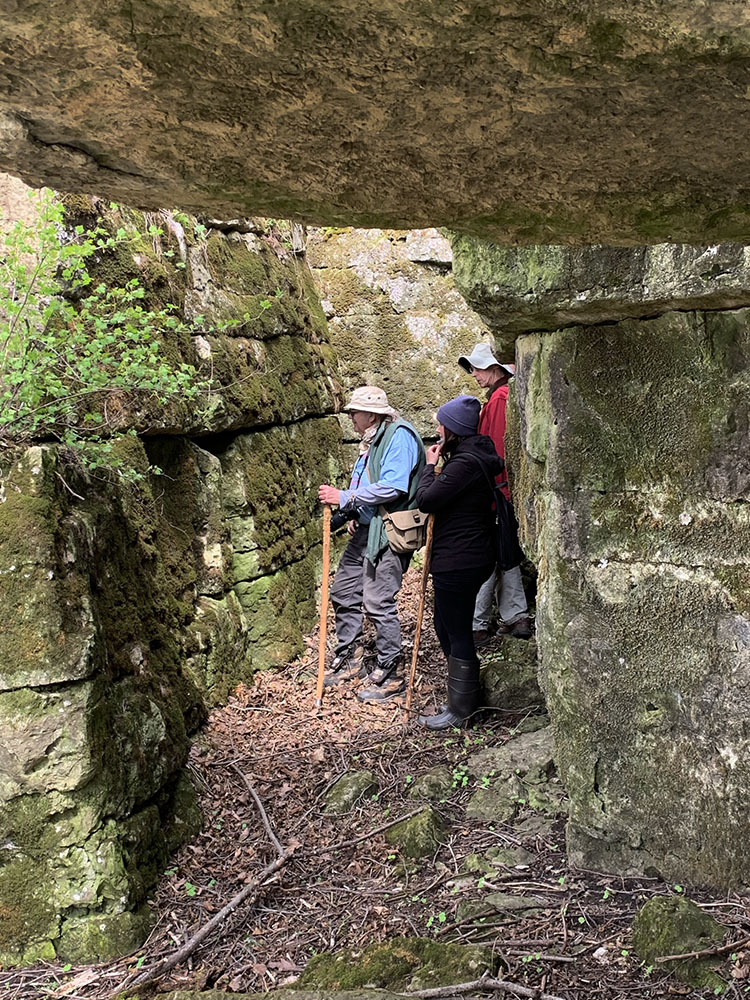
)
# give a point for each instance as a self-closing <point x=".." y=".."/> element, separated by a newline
<point x="492" y="423"/>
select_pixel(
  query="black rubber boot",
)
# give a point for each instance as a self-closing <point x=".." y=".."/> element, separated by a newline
<point x="464" y="693"/>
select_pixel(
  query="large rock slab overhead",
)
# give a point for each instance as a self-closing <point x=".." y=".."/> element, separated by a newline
<point x="523" y="121"/>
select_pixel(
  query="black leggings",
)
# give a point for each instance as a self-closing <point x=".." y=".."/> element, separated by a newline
<point x="455" y="597"/>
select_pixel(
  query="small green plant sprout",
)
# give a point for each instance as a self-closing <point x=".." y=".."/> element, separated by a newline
<point x="67" y="967"/>
<point x="139" y="962"/>
<point x="442" y="917"/>
<point x="391" y="857"/>
<point x="607" y="893"/>
<point x="624" y="952"/>
<point x="408" y="780"/>
<point x="460" y="776"/>
<point x="678" y="888"/>
<point x="190" y="889"/>
<point x="561" y="880"/>
<point x="581" y="920"/>
<point x="480" y="882"/>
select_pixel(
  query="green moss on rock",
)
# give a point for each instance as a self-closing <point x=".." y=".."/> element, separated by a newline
<point x="399" y="964"/>
<point x="509" y="675"/>
<point x="348" y="790"/>
<point x="674" y="925"/>
<point x="102" y="937"/>
<point x="28" y="920"/>
<point x="436" y="783"/>
<point x="420" y="836"/>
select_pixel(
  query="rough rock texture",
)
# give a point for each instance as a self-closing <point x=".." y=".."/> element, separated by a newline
<point x="546" y="287"/>
<point x="673" y="925"/>
<point x="348" y="790"/>
<point x="419" y="836"/>
<point x="604" y="122"/>
<point x="399" y="965"/>
<point x="635" y="482"/>
<point x="518" y="775"/>
<point x="288" y="994"/>
<point x="395" y="317"/>
<point x="129" y="607"/>
<point x="95" y="712"/>
<point x="510" y="675"/>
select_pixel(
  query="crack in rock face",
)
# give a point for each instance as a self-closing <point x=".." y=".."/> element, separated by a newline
<point x="524" y="122"/>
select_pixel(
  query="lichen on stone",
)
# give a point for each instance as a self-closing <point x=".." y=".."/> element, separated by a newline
<point x="675" y="925"/>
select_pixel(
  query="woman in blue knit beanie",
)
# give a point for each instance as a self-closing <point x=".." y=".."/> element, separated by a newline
<point x="463" y="551"/>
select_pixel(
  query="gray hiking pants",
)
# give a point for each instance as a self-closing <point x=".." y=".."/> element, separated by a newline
<point x="359" y="586"/>
<point x="511" y="599"/>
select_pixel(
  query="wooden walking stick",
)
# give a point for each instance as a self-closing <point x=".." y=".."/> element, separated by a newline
<point x="324" y="604"/>
<point x="420" y="610"/>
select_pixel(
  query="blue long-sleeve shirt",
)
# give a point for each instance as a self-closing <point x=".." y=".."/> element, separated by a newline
<point x="401" y="455"/>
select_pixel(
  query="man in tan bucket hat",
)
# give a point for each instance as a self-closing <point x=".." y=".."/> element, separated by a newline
<point x="369" y="573"/>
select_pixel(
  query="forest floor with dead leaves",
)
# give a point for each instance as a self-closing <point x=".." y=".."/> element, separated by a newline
<point x="342" y="886"/>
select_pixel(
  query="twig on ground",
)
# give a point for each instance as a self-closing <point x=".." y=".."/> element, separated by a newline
<point x="484" y="983"/>
<point x="371" y="833"/>
<point x="248" y="892"/>
<point x="263" y="815"/>
<point x="707" y="952"/>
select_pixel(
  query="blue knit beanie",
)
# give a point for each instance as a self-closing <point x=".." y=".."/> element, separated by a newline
<point x="460" y="415"/>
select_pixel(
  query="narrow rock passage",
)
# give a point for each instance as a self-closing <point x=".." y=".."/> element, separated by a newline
<point x="486" y="866"/>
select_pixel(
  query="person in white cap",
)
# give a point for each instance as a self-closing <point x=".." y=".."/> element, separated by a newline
<point x="369" y="574"/>
<point x="493" y="375"/>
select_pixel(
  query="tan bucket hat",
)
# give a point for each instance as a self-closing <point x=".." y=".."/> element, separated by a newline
<point x="370" y="399"/>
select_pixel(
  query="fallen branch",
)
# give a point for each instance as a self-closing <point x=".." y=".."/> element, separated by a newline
<point x="250" y="891"/>
<point x="706" y="953"/>
<point x="485" y="983"/>
<point x="263" y="815"/>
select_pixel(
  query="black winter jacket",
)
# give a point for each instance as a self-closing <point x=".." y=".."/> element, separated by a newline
<point x="461" y="500"/>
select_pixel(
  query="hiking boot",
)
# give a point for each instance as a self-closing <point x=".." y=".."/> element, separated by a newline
<point x="383" y="682"/>
<point x="521" y="628"/>
<point x="379" y="693"/>
<point x="481" y="637"/>
<point x="345" y="667"/>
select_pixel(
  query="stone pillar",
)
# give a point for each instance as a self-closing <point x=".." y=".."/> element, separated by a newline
<point x="633" y="482"/>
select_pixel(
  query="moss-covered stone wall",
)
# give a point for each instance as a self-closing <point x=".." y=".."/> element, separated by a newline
<point x="395" y="316"/>
<point x="131" y="607"/>
<point x="632" y="483"/>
